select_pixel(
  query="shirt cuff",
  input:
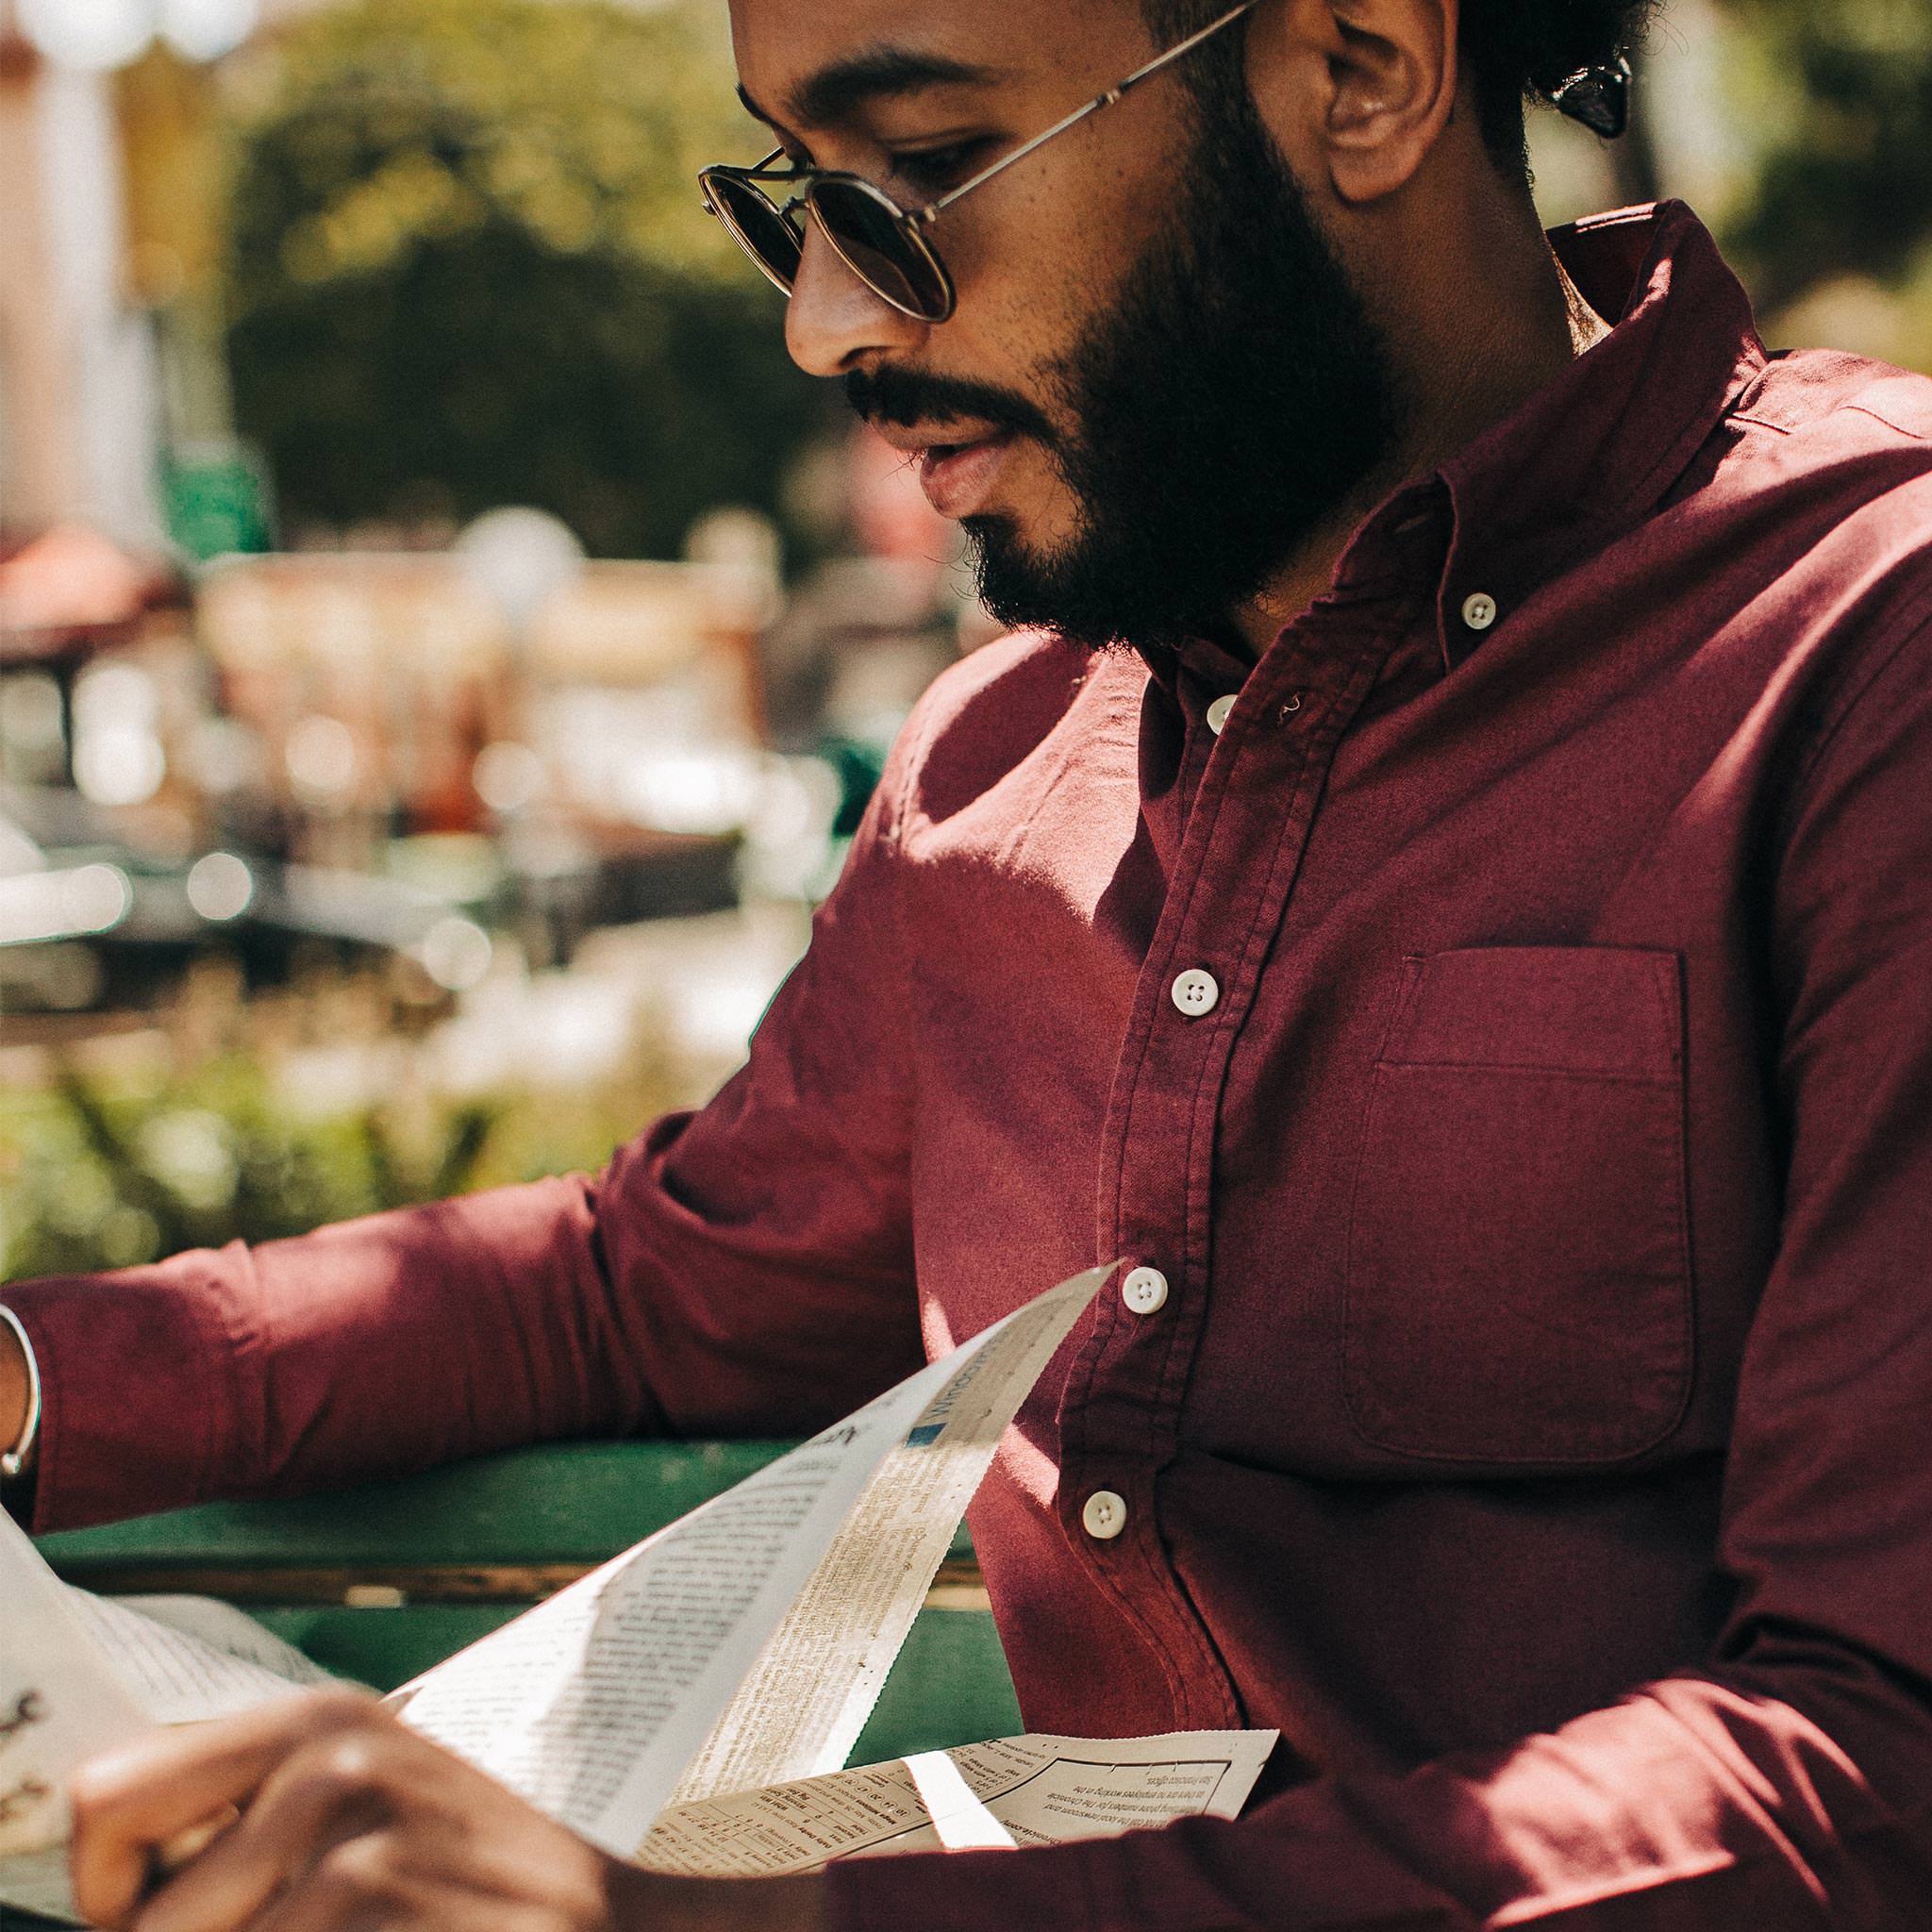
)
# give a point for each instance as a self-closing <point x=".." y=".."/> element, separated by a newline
<point x="14" y="1460"/>
<point x="1082" y="1886"/>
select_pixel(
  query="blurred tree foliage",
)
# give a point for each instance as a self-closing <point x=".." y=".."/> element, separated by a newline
<point x="1843" y="184"/>
<point x="469" y="268"/>
<point x="98" y="1173"/>
<point x="100" y="1179"/>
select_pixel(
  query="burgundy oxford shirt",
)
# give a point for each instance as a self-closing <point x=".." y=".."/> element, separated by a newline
<point x="1509" y="1038"/>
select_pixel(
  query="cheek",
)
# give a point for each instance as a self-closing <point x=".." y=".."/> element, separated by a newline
<point x="1046" y="256"/>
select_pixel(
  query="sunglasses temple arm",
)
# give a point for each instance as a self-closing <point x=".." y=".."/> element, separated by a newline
<point x="1080" y="113"/>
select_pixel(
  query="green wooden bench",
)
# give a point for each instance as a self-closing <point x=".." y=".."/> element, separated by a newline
<point x="380" y="1583"/>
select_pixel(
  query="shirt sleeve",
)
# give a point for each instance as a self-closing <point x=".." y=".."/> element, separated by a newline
<point x="1786" y="1781"/>
<point x="743" y="1270"/>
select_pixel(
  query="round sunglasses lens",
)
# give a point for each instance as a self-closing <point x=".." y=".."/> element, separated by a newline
<point x="760" y="229"/>
<point x="872" y="237"/>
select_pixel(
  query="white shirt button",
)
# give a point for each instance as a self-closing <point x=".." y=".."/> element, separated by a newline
<point x="1217" y="712"/>
<point x="1196" y="993"/>
<point x="1480" y="610"/>
<point x="1105" y="1516"/>
<point x="1145" y="1290"/>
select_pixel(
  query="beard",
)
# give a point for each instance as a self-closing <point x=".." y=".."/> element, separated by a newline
<point x="1234" y="396"/>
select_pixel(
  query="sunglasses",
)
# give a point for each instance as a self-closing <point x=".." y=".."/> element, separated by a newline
<point x="885" y="246"/>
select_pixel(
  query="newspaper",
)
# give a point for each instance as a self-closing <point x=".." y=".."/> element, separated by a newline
<point x="1034" y="1790"/>
<point x="730" y="1660"/>
<point x="80" y="1675"/>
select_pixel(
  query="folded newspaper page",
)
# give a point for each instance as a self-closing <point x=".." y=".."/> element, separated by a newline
<point x="689" y="1702"/>
<point x="747" y="1642"/>
<point x="1034" y="1790"/>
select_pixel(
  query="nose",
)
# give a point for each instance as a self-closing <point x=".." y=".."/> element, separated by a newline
<point x="834" y="323"/>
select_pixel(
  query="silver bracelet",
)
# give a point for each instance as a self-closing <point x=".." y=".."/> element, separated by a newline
<point x="15" y="1459"/>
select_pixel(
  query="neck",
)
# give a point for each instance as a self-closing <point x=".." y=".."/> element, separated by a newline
<point x="1460" y="367"/>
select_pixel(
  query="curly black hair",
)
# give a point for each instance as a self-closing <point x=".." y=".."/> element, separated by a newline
<point x="1516" y="51"/>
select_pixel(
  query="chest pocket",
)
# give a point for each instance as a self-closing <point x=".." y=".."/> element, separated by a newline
<point x="1518" y="1277"/>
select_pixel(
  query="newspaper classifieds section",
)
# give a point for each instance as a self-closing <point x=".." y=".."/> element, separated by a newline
<point x="591" y="1705"/>
<point x="190" y="1658"/>
<point x="1036" y="1790"/>
<point x="61" y="1701"/>
<point x="801" y="1707"/>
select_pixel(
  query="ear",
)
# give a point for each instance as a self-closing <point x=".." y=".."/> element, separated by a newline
<point x="1368" y="87"/>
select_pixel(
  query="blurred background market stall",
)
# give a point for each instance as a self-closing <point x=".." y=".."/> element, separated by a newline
<point x="443" y="646"/>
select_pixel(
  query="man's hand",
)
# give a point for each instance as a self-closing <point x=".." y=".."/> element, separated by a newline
<point x="347" y="1820"/>
<point x="14" y="1389"/>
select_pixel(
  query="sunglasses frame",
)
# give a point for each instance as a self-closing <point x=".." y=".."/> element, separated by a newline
<point x="908" y="223"/>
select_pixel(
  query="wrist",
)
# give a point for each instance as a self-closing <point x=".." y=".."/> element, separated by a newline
<point x="20" y="1396"/>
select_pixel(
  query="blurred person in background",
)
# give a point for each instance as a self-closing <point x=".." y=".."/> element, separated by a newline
<point x="1441" y="885"/>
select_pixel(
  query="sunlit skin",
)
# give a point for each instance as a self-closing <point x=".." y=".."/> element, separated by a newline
<point x="346" y="1818"/>
<point x="14" y="1389"/>
<point x="349" y="1820"/>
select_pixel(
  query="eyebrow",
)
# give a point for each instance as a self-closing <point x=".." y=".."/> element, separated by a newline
<point x="838" y="92"/>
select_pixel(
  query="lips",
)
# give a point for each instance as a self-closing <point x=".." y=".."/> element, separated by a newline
<point x="958" y="477"/>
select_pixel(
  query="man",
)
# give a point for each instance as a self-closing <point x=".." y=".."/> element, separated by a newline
<point x="1443" y="892"/>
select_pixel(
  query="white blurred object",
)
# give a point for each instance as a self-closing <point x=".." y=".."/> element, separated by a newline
<point x="455" y="952"/>
<point x="93" y="36"/>
<point x="119" y="764"/>
<point x="115" y="694"/>
<point x="507" y="776"/>
<point x="62" y="904"/>
<point x="206" y="29"/>
<point x="698" y="986"/>
<point x="89" y="35"/>
<point x="220" y="885"/>
<point x="321" y="757"/>
<point x="697" y="791"/>
<point x="118" y="757"/>
<point x="519" y="559"/>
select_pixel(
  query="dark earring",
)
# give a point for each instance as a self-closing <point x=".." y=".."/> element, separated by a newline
<point x="1599" y="98"/>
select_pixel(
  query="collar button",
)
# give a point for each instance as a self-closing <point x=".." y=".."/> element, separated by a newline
<point x="1480" y="610"/>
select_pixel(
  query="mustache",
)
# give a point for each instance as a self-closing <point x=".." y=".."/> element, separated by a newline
<point x="906" y="399"/>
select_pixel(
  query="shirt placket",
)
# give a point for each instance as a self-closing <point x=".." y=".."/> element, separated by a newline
<point x="1247" y="829"/>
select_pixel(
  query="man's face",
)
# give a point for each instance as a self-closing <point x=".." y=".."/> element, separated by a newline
<point x="1157" y="379"/>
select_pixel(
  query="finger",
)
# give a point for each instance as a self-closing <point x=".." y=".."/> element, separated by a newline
<point x="325" y="1794"/>
<point x="362" y="1887"/>
<point x="129" y="1803"/>
<point x="187" y="1846"/>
